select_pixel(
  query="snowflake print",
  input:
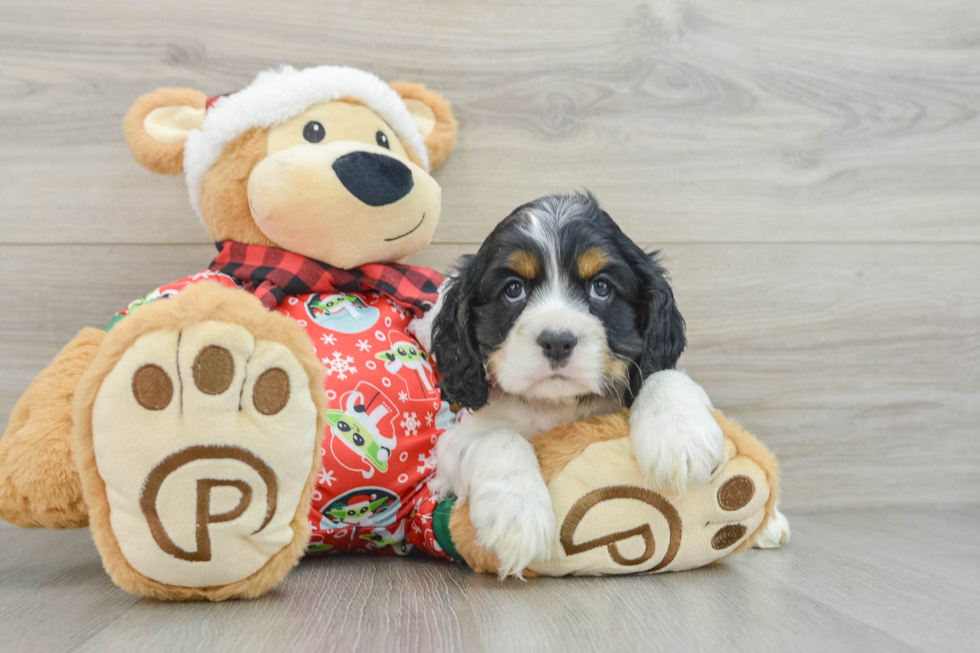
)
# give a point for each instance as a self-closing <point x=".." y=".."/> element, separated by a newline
<point x="397" y="308"/>
<point x="428" y="462"/>
<point x="206" y="274"/>
<point x="402" y="396"/>
<point x="428" y="419"/>
<point x="325" y="476"/>
<point x="339" y="364"/>
<point x="364" y="345"/>
<point x="329" y="339"/>
<point x="411" y="424"/>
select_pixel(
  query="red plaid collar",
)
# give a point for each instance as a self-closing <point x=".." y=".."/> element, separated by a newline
<point x="272" y="274"/>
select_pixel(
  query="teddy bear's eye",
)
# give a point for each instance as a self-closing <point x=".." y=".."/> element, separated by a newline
<point x="382" y="139"/>
<point x="314" y="132"/>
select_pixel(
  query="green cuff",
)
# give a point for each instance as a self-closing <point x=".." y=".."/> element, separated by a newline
<point x="116" y="319"/>
<point x="440" y="527"/>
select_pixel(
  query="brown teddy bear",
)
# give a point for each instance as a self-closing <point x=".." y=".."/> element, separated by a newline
<point x="277" y="401"/>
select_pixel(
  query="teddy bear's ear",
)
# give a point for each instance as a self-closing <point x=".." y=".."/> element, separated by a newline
<point x="434" y="117"/>
<point x="158" y="124"/>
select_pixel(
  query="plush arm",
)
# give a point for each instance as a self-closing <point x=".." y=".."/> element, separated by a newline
<point x="39" y="482"/>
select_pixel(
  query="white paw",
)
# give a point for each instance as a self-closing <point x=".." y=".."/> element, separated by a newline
<point x="440" y="487"/>
<point x="421" y="327"/>
<point x="775" y="534"/>
<point x="677" y="447"/>
<point x="514" y="520"/>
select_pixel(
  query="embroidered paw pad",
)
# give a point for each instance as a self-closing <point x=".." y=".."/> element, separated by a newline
<point x="204" y="438"/>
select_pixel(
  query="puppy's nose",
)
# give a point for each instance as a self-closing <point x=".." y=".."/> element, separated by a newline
<point x="375" y="179"/>
<point x="557" y="345"/>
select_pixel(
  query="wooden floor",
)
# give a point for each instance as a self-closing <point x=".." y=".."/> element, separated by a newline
<point x="869" y="580"/>
<point x="811" y="171"/>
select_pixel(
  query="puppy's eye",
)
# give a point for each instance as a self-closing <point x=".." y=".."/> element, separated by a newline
<point x="382" y="139"/>
<point x="600" y="290"/>
<point x="314" y="132"/>
<point x="514" y="291"/>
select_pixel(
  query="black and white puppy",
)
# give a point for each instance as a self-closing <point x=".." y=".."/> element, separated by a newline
<point x="558" y="317"/>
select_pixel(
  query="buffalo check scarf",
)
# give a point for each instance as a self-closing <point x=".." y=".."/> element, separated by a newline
<point x="272" y="274"/>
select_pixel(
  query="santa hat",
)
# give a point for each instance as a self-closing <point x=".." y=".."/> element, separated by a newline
<point x="359" y="498"/>
<point x="274" y="97"/>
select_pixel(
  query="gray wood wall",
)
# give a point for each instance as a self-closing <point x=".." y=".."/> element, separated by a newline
<point x="810" y="170"/>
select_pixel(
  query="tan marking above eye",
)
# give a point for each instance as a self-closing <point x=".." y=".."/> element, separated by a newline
<point x="523" y="263"/>
<point x="591" y="262"/>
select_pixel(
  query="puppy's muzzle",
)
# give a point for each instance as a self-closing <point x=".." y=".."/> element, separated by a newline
<point x="557" y="346"/>
<point x="375" y="179"/>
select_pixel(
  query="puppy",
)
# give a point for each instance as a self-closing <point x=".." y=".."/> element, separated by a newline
<point x="559" y="317"/>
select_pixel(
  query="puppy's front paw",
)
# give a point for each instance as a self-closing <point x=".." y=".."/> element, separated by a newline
<point x="514" y="520"/>
<point x="677" y="448"/>
<point x="775" y="534"/>
<point x="440" y="486"/>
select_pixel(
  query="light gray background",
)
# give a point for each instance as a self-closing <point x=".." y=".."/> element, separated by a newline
<point x="811" y="171"/>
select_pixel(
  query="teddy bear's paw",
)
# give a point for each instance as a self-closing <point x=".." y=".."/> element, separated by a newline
<point x="723" y="515"/>
<point x="205" y="439"/>
<point x="612" y="520"/>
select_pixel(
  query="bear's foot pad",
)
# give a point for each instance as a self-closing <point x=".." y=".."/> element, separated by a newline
<point x="204" y="438"/>
<point x="629" y="526"/>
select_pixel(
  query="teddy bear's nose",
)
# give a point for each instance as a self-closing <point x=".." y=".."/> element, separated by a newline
<point x="375" y="179"/>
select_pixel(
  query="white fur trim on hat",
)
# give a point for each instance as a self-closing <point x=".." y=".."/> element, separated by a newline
<point x="274" y="97"/>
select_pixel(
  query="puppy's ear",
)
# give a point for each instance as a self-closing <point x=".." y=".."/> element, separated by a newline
<point x="663" y="331"/>
<point x="464" y="379"/>
<point x="157" y="125"/>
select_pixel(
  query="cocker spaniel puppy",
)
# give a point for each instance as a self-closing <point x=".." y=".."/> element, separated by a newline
<point x="558" y="317"/>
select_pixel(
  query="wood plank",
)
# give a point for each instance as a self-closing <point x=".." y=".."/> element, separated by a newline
<point x="856" y="364"/>
<point x="883" y="570"/>
<point x="862" y="581"/>
<point x="694" y="121"/>
<point x="54" y="593"/>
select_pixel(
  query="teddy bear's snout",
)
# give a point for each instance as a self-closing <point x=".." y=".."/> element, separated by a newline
<point x="375" y="179"/>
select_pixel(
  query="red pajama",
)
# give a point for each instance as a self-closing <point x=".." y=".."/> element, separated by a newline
<point x="384" y="409"/>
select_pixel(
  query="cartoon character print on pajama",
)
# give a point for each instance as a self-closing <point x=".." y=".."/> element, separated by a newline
<point x="384" y="414"/>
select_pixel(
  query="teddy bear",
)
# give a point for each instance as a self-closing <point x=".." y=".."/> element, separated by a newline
<point x="277" y="403"/>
